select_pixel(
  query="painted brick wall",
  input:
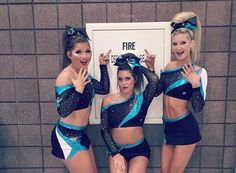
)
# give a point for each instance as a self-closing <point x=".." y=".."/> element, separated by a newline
<point x="30" y="53"/>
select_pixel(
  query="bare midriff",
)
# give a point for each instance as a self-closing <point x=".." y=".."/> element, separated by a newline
<point x="174" y="107"/>
<point x="78" y="117"/>
<point x="127" y="135"/>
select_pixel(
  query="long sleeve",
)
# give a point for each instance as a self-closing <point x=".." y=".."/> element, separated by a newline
<point x="199" y="94"/>
<point x="106" y="133"/>
<point x="102" y="87"/>
<point x="159" y="88"/>
<point x="67" y="101"/>
<point x="150" y="89"/>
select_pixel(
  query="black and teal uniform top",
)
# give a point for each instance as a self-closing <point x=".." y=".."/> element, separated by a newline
<point x="130" y="112"/>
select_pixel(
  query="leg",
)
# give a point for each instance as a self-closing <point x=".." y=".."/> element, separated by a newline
<point x="112" y="167"/>
<point x="81" y="162"/>
<point x="138" y="164"/>
<point x="181" y="157"/>
<point x="167" y="152"/>
<point x="93" y="158"/>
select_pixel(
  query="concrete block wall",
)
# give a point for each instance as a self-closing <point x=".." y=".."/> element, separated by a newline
<point x="30" y="59"/>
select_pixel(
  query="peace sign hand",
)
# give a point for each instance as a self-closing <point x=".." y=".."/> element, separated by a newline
<point x="104" y="58"/>
<point x="188" y="73"/>
<point x="81" y="80"/>
<point x="149" y="60"/>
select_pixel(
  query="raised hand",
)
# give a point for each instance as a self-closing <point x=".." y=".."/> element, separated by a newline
<point x="119" y="162"/>
<point x="149" y="60"/>
<point x="193" y="78"/>
<point x="80" y="80"/>
<point x="104" y="58"/>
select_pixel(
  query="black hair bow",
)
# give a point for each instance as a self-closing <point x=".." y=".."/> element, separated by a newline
<point x="189" y="24"/>
<point x="129" y="59"/>
<point x="72" y="32"/>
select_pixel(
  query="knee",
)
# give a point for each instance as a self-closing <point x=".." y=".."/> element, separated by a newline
<point x="165" y="169"/>
<point x="176" y="169"/>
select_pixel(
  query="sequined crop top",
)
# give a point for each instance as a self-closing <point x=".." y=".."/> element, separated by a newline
<point x="69" y="100"/>
<point x="130" y="112"/>
<point x="173" y="84"/>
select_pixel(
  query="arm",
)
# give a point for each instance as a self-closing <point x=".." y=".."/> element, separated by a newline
<point x="199" y="94"/>
<point x="67" y="101"/>
<point x="68" y="94"/>
<point x="106" y="133"/>
<point x="159" y="88"/>
<point x="150" y="89"/>
<point x="150" y="62"/>
<point x="102" y="87"/>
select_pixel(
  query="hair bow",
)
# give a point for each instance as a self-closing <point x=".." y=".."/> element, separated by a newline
<point x="120" y="60"/>
<point x="129" y="59"/>
<point x="76" y="32"/>
<point x="189" y="24"/>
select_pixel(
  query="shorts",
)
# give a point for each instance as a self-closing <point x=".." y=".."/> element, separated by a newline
<point x="139" y="148"/>
<point x="67" y="140"/>
<point x="182" y="130"/>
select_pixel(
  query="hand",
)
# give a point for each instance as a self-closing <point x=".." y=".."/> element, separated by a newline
<point x="103" y="58"/>
<point x="81" y="80"/>
<point x="149" y="60"/>
<point x="119" y="162"/>
<point x="193" y="78"/>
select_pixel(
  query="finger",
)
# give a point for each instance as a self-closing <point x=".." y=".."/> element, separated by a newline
<point x="101" y="55"/>
<point x="187" y="67"/>
<point x="183" y="74"/>
<point x="153" y="57"/>
<point x="86" y="82"/>
<point x="147" y="53"/>
<point x="109" y="51"/>
<point x="191" y="67"/>
<point x="80" y="73"/>
<point x="85" y="77"/>
<point x="84" y="73"/>
<point x="123" y="166"/>
<point x="147" y="60"/>
<point x="116" y="166"/>
<point x="105" y="58"/>
<point x="185" y="71"/>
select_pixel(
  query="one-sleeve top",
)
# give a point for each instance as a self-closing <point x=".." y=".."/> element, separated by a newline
<point x="174" y="84"/>
<point x="130" y="112"/>
<point x="69" y="100"/>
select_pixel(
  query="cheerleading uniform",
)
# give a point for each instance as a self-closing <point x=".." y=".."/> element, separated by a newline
<point x="184" y="129"/>
<point x="68" y="139"/>
<point x="130" y="112"/>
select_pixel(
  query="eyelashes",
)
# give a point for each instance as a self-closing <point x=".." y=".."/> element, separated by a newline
<point x="79" y="52"/>
<point x="181" y="43"/>
<point x="124" y="79"/>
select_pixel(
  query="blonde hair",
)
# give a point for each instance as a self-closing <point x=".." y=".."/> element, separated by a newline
<point x="194" y="35"/>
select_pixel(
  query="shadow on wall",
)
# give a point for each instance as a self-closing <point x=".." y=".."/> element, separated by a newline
<point x="9" y="149"/>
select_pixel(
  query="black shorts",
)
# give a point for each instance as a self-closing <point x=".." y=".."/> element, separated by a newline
<point x="183" y="130"/>
<point x="139" y="148"/>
